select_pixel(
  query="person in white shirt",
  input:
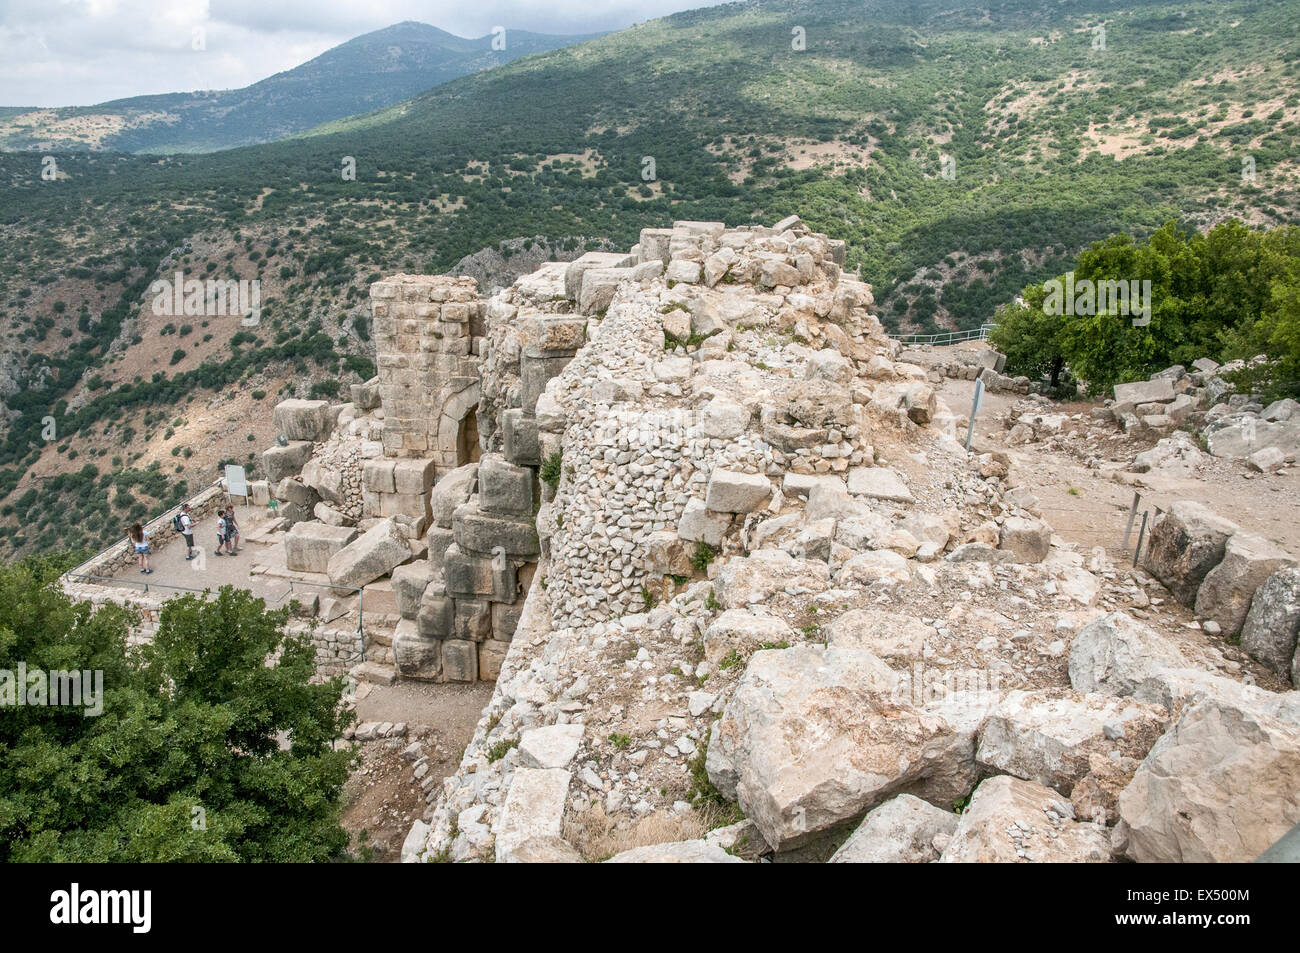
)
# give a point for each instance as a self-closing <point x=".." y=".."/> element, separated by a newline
<point x="187" y="530"/>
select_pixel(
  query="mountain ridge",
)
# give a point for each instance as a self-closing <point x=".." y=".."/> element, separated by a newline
<point x="367" y="72"/>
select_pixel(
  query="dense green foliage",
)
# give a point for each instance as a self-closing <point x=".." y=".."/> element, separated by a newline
<point x="1229" y="293"/>
<point x="183" y="763"/>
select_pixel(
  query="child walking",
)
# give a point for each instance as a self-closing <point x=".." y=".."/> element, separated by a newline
<point x="232" y="532"/>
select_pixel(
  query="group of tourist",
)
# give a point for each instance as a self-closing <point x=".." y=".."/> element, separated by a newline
<point x="227" y="536"/>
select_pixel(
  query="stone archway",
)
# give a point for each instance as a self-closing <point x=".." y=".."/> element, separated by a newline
<point x="458" y="438"/>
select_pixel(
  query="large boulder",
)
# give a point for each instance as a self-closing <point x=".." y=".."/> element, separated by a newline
<point x="1048" y="735"/>
<point x="905" y="830"/>
<point x="375" y="553"/>
<point x="303" y="419"/>
<point x="1115" y="653"/>
<point x="1028" y="540"/>
<point x="765" y="572"/>
<point x="279" y="463"/>
<point x="1225" y="595"/>
<point x="1186" y="543"/>
<point x="450" y="492"/>
<point x="409" y="583"/>
<point x="1145" y="392"/>
<point x="812" y="738"/>
<point x="327" y="481"/>
<point x="1272" y="628"/>
<point x="743" y="632"/>
<point x="1011" y="821"/>
<point x="893" y="636"/>
<point x="1220" y="786"/>
<point x="1235" y="438"/>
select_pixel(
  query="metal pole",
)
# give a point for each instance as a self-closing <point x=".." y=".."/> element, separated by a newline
<point x="974" y="409"/>
<point x="1132" y="514"/>
<point x="1141" y="534"/>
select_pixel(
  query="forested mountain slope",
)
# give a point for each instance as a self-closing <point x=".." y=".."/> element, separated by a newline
<point x="963" y="149"/>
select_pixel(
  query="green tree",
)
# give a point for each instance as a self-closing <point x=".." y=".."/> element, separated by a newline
<point x="185" y="763"/>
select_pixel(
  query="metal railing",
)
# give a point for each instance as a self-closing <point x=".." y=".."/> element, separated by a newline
<point x="126" y="542"/>
<point x="946" y="337"/>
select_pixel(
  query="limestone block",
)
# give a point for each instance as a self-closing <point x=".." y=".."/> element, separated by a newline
<point x="436" y="616"/>
<point x="535" y="372"/>
<point x="413" y="476"/>
<point x="1269" y="635"/>
<point x="409" y="583"/>
<point x="520" y="438"/>
<point x="879" y="483"/>
<point x="375" y="553"/>
<point x="281" y="462"/>
<point x="414" y="655"/>
<point x="730" y="491"/>
<point x="303" y="419"/>
<point x="1226" y="593"/>
<point x="474" y="577"/>
<point x="504" y="489"/>
<point x="479" y="534"/>
<point x="1187" y="542"/>
<point x="491" y="656"/>
<point x="505" y="620"/>
<point x="450" y="492"/>
<point x="1029" y="540"/>
<point x="460" y="660"/>
<point x="1145" y="392"/>
<point x="308" y="547"/>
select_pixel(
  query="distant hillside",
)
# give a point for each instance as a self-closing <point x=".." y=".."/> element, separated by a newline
<point x="366" y="73"/>
<point x="963" y="148"/>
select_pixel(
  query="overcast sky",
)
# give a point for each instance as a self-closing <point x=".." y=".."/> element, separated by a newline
<point x="80" y="52"/>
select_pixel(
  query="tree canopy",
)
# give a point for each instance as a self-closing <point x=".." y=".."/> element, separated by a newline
<point x="185" y="762"/>
<point x="1230" y="293"/>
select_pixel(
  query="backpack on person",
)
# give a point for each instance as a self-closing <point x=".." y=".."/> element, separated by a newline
<point x="178" y="524"/>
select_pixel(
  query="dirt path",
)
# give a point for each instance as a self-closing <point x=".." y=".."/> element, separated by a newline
<point x="1090" y="506"/>
<point x="384" y="796"/>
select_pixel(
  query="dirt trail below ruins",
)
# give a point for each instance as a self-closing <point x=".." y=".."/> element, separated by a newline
<point x="383" y="796"/>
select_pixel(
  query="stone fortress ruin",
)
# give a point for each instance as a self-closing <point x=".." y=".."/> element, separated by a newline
<point x="744" y="593"/>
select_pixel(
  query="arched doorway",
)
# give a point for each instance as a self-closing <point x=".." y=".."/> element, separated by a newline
<point x="467" y="445"/>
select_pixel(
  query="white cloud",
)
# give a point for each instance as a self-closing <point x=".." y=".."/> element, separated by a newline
<point x="80" y="52"/>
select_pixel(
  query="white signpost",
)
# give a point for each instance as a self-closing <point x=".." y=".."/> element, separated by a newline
<point x="236" y="482"/>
